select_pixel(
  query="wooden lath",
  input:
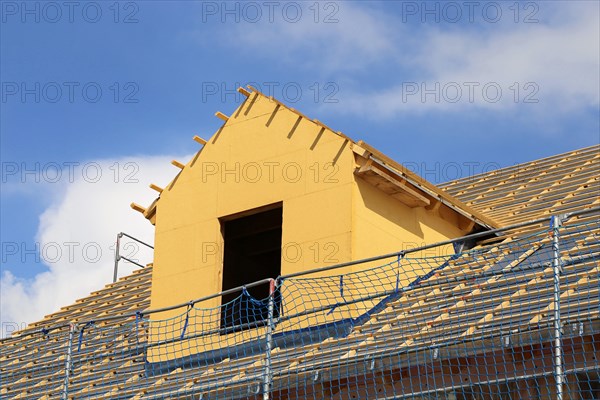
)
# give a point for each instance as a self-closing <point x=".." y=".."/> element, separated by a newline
<point x="580" y="157"/>
<point x="446" y="314"/>
<point x="571" y="290"/>
<point x="52" y="352"/>
<point x="522" y="292"/>
<point x="509" y="193"/>
<point x="408" y="315"/>
<point x="539" y="192"/>
<point x="518" y="193"/>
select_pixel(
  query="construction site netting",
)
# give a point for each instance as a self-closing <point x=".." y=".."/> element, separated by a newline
<point x="509" y="315"/>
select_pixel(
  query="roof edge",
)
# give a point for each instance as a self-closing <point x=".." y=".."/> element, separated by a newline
<point x="411" y="177"/>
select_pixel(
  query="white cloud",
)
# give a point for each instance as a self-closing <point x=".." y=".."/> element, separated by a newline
<point x="555" y="64"/>
<point x="545" y="69"/>
<point x="76" y="235"/>
<point x="332" y="39"/>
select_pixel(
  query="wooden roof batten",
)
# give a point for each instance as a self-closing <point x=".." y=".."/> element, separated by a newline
<point x="441" y="313"/>
<point x="530" y="190"/>
<point x="468" y="285"/>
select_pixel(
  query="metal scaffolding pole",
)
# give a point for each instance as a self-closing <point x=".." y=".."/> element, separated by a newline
<point x="117" y="257"/>
<point x="267" y="378"/>
<point x="555" y="224"/>
<point x="65" y="393"/>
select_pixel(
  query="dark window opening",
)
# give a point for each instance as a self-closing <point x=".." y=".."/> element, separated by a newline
<point x="252" y="252"/>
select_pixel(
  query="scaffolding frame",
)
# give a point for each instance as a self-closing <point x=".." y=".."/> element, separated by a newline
<point x="269" y="382"/>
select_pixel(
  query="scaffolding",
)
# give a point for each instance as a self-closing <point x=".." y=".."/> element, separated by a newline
<point x="515" y="316"/>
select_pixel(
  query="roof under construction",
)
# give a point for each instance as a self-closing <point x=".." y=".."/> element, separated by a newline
<point x="496" y="293"/>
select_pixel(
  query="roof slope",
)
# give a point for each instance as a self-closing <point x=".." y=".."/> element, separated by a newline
<point x="495" y="289"/>
<point x="535" y="189"/>
<point x="32" y="361"/>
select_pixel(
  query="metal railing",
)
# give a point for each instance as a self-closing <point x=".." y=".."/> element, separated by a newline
<point x="119" y="257"/>
<point x="308" y="309"/>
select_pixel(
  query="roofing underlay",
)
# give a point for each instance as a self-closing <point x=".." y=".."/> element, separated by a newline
<point x="463" y="299"/>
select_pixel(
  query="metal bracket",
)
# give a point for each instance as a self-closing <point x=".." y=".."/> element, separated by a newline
<point x="119" y="257"/>
<point x="458" y="247"/>
<point x="372" y="364"/>
<point x="254" y="389"/>
<point x="316" y="377"/>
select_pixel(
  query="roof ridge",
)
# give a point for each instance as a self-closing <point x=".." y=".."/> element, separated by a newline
<point x="437" y="190"/>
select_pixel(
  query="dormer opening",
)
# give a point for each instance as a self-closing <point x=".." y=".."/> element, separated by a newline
<point x="252" y="252"/>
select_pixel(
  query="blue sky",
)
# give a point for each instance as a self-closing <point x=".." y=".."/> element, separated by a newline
<point x="449" y="88"/>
